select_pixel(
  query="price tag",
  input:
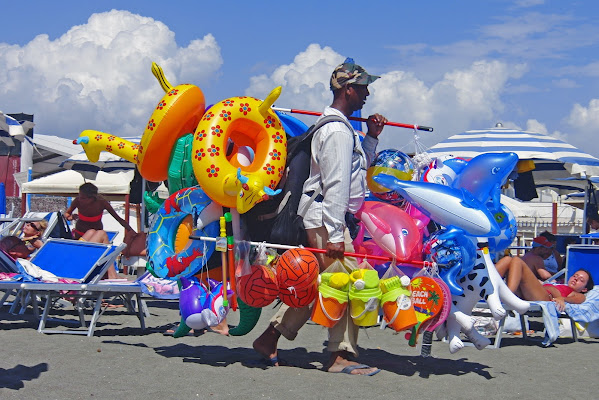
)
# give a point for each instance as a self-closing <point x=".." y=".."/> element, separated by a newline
<point x="221" y="244"/>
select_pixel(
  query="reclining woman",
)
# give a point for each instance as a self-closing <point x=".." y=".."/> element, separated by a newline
<point x="32" y="232"/>
<point x="523" y="282"/>
<point x="91" y="206"/>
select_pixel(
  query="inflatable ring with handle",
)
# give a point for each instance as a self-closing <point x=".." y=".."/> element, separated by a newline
<point x="240" y="121"/>
<point x="171" y="253"/>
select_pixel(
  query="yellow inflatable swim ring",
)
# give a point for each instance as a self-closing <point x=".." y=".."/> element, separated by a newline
<point x="177" y="114"/>
<point x="234" y="123"/>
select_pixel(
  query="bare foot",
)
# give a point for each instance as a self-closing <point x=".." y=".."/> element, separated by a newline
<point x="339" y="361"/>
<point x="266" y="344"/>
<point x="221" y="328"/>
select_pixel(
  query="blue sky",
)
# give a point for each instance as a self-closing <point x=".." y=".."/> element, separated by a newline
<point x="453" y="65"/>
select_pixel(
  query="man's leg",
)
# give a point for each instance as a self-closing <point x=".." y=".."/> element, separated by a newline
<point x="286" y="322"/>
<point x="343" y="337"/>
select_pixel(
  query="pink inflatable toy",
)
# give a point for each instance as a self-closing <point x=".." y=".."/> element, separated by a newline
<point x="392" y="229"/>
<point x="369" y="247"/>
<point x="420" y="219"/>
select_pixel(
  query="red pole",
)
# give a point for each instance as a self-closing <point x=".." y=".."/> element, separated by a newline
<point x="315" y="113"/>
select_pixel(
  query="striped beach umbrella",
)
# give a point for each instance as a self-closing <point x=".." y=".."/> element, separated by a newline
<point x="528" y="146"/>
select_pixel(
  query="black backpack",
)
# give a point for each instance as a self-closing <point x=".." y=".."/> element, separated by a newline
<point x="275" y="220"/>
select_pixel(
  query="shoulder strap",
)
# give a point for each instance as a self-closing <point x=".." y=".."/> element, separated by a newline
<point x="324" y="121"/>
<point x="314" y="128"/>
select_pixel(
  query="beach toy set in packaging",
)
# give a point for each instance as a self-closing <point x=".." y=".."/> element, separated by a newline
<point x="332" y="300"/>
<point x="396" y="300"/>
<point x="364" y="296"/>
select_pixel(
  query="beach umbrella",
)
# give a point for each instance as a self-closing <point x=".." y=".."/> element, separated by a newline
<point x="108" y="162"/>
<point x="11" y="129"/>
<point x="527" y="145"/>
<point x="554" y="160"/>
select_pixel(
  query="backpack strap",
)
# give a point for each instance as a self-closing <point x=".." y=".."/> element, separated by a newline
<point x="313" y="129"/>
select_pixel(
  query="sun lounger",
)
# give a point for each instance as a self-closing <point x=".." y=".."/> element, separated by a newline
<point x="86" y="263"/>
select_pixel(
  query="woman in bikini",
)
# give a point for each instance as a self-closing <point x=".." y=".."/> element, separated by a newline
<point x="91" y="206"/>
<point x="523" y="282"/>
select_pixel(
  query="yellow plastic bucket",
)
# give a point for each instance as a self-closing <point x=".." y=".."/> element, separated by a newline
<point x="364" y="305"/>
<point x="330" y="306"/>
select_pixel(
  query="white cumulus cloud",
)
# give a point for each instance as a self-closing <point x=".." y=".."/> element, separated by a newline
<point x="458" y="101"/>
<point x="97" y="75"/>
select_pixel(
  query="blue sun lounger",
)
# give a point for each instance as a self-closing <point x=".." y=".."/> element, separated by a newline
<point x="87" y="263"/>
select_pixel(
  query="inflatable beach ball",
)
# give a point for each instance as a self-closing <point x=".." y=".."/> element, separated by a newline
<point x="389" y="162"/>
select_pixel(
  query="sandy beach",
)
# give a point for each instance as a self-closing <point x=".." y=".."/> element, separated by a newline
<point x="121" y="361"/>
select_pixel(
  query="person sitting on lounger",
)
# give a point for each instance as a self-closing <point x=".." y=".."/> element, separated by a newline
<point x="91" y="206"/>
<point x="533" y="258"/>
<point x="522" y="281"/>
<point x="15" y="247"/>
<point x="32" y="232"/>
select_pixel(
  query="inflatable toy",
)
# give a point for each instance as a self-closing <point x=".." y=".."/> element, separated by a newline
<point x="176" y="114"/>
<point x="180" y="170"/>
<point x="456" y="254"/>
<point x="369" y="247"/>
<point x="508" y="226"/>
<point x="245" y="121"/>
<point x="483" y="282"/>
<point x="189" y="210"/>
<point x="419" y="218"/>
<point x="201" y="307"/>
<point x="391" y="162"/>
<point x="483" y="176"/>
<point x="445" y="205"/>
<point x="443" y="170"/>
<point x="297" y="276"/>
<point x="392" y="229"/>
<point x="248" y="318"/>
<point x="258" y="288"/>
<point x="293" y="126"/>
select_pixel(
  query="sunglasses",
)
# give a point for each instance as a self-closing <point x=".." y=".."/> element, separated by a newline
<point x="34" y="226"/>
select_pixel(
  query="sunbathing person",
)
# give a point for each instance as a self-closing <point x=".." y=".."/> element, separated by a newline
<point x="534" y="258"/>
<point x="91" y="206"/>
<point x="15" y="247"/>
<point x="32" y="232"/>
<point x="522" y="281"/>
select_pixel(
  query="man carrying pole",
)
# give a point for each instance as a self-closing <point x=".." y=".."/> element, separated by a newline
<point x="338" y="176"/>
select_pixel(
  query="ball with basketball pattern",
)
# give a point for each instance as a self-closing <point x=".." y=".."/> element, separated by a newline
<point x="297" y="275"/>
<point x="258" y="288"/>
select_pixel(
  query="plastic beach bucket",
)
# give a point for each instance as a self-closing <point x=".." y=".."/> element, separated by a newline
<point x="330" y="306"/>
<point x="398" y="310"/>
<point x="364" y="305"/>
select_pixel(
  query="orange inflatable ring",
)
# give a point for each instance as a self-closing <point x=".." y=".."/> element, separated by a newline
<point x="177" y="114"/>
<point x="234" y="123"/>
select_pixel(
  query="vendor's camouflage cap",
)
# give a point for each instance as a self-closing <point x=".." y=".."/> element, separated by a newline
<point x="348" y="73"/>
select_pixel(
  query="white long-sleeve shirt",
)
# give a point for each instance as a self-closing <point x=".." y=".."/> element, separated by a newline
<point x="339" y="163"/>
